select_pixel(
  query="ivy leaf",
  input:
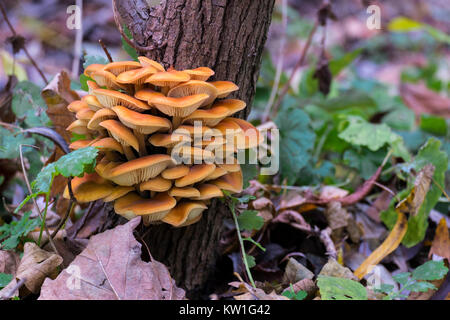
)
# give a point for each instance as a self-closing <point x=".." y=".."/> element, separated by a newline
<point x="421" y="286"/>
<point x="249" y="220"/>
<point x="430" y="270"/>
<point x="10" y="142"/>
<point x="28" y="105"/>
<point x="296" y="141"/>
<point x="332" y="288"/>
<point x="5" y="279"/>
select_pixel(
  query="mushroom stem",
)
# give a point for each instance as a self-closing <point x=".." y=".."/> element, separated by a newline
<point x="128" y="152"/>
<point x="176" y="121"/>
<point x="165" y="90"/>
<point x="141" y="139"/>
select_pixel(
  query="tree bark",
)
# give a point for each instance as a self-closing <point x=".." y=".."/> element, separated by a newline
<point x="227" y="36"/>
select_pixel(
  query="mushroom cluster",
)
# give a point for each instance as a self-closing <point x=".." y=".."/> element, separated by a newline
<point x="167" y="142"/>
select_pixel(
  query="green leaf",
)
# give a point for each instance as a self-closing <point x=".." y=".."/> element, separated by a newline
<point x="17" y="229"/>
<point x="332" y="288"/>
<point x="250" y="260"/>
<point x="90" y="59"/>
<point x="418" y="224"/>
<point x="128" y="49"/>
<point x="402" y="277"/>
<point x="5" y="279"/>
<point x="337" y="65"/>
<point x="10" y="142"/>
<point x="74" y="164"/>
<point x="430" y="270"/>
<point x="358" y="131"/>
<point x="83" y="82"/>
<point x="421" y="286"/>
<point x="296" y="141"/>
<point x="364" y="161"/>
<point x="249" y="220"/>
<point x="433" y="124"/>
<point x="28" y="105"/>
<point x="291" y="294"/>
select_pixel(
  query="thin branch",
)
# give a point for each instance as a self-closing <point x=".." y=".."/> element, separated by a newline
<point x="27" y="182"/>
<point x="294" y="71"/>
<point x="13" y="31"/>
<point x="14" y="289"/>
<point x="108" y="55"/>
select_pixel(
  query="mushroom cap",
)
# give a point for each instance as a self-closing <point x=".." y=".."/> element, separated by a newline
<point x="232" y="133"/>
<point x="88" y="188"/>
<point x="107" y="144"/>
<point x="175" y="172"/>
<point x="121" y="66"/>
<point x="232" y="181"/>
<point x="178" y="107"/>
<point x="92" y="85"/>
<point x="158" y="184"/>
<point x="224" y="88"/>
<point x="230" y="167"/>
<point x="78" y="127"/>
<point x="78" y="144"/>
<point x="185" y="213"/>
<point x="251" y="136"/>
<point x="85" y="114"/>
<point x="77" y="105"/>
<point x="92" y="102"/>
<point x="136" y="76"/>
<point x="143" y="123"/>
<point x="139" y="170"/>
<point x="168" y="140"/>
<point x="168" y="78"/>
<point x="106" y="79"/>
<point x="154" y="209"/>
<point x="121" y="133"/>
<point x="208" y="117"/>
<point x="92" y="68"/>
<point x="208" y="191"/>
<point x="147" y="94"/>
<point x="104" y="167"/>
<point x="146" y="62"/>
<point x="194" y="87"/>
<point x="112" y="98"/>
<point x="118" y="192"/>
<point x="196" y="174"/>
<point x="184" y="192"/>
<point x="190" y="155"/>
<point x="201" y="73"/>
<point x="217" y="173"/>
<point x="233" y="105"/>
<point x="195" y="131"/>
<point x="100" y="116"/>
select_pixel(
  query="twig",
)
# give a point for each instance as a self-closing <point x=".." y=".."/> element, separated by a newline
<point x="294" y="71"/>
<point x="13" y="31"/>
<point x="379" y="185"/>
<point x="279" y="69"/>
<point x="105" y="49"/>
<point x="241" y="243"/>
<point x="27" y="182"/>
<point x="14" y="289"/>
<point x="72" y="203"/>
<point x="328" y="243"/>
<point x="78" y="43"/>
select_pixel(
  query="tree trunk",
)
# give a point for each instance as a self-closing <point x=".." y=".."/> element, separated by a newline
<point x="228" y="36"/>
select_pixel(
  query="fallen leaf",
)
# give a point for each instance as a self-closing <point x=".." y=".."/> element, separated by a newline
<point x="333" y="269"/>
<point x="336" y="215"/>
<point x="250" y="293"/>
<point x="331" y="192"/>
<point x="306" y="285"/>
<point x="36" y="265"/>
<point x="294" y="219"/>
<point x="9" y="261"/>
<point x="380" y="204"/>
<point x="291" y="200"/>
<point x="110" y="268"/>
<point x="295" y="272"/>
<point x="423" y="100"/>
<point x="441" y="241"/>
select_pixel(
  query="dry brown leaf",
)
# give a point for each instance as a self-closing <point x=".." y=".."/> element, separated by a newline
<point x="36" y="265"/>
<point x="294" y="219"/>
<point x="110" y="268"/>
<point x="9" y="261"/>
<point x="441" y="241"/>
<point x="250" y="293"/>
<point x="336" y="215"/>
<point x="306" y="285"/>
<point x="291" y="200"/>
<point x="423" y="100"/>
<point x="331" y="192"/>
<point x="333" y="269"/>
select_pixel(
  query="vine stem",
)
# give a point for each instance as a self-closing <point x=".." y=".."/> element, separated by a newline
<point x="241" y="243"/>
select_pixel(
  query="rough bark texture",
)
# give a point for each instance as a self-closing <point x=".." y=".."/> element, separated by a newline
<point x="227" y="36"/>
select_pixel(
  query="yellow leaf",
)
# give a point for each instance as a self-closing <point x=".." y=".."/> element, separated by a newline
<point x="7" y="62"/>
<point x="441" y="241"/>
